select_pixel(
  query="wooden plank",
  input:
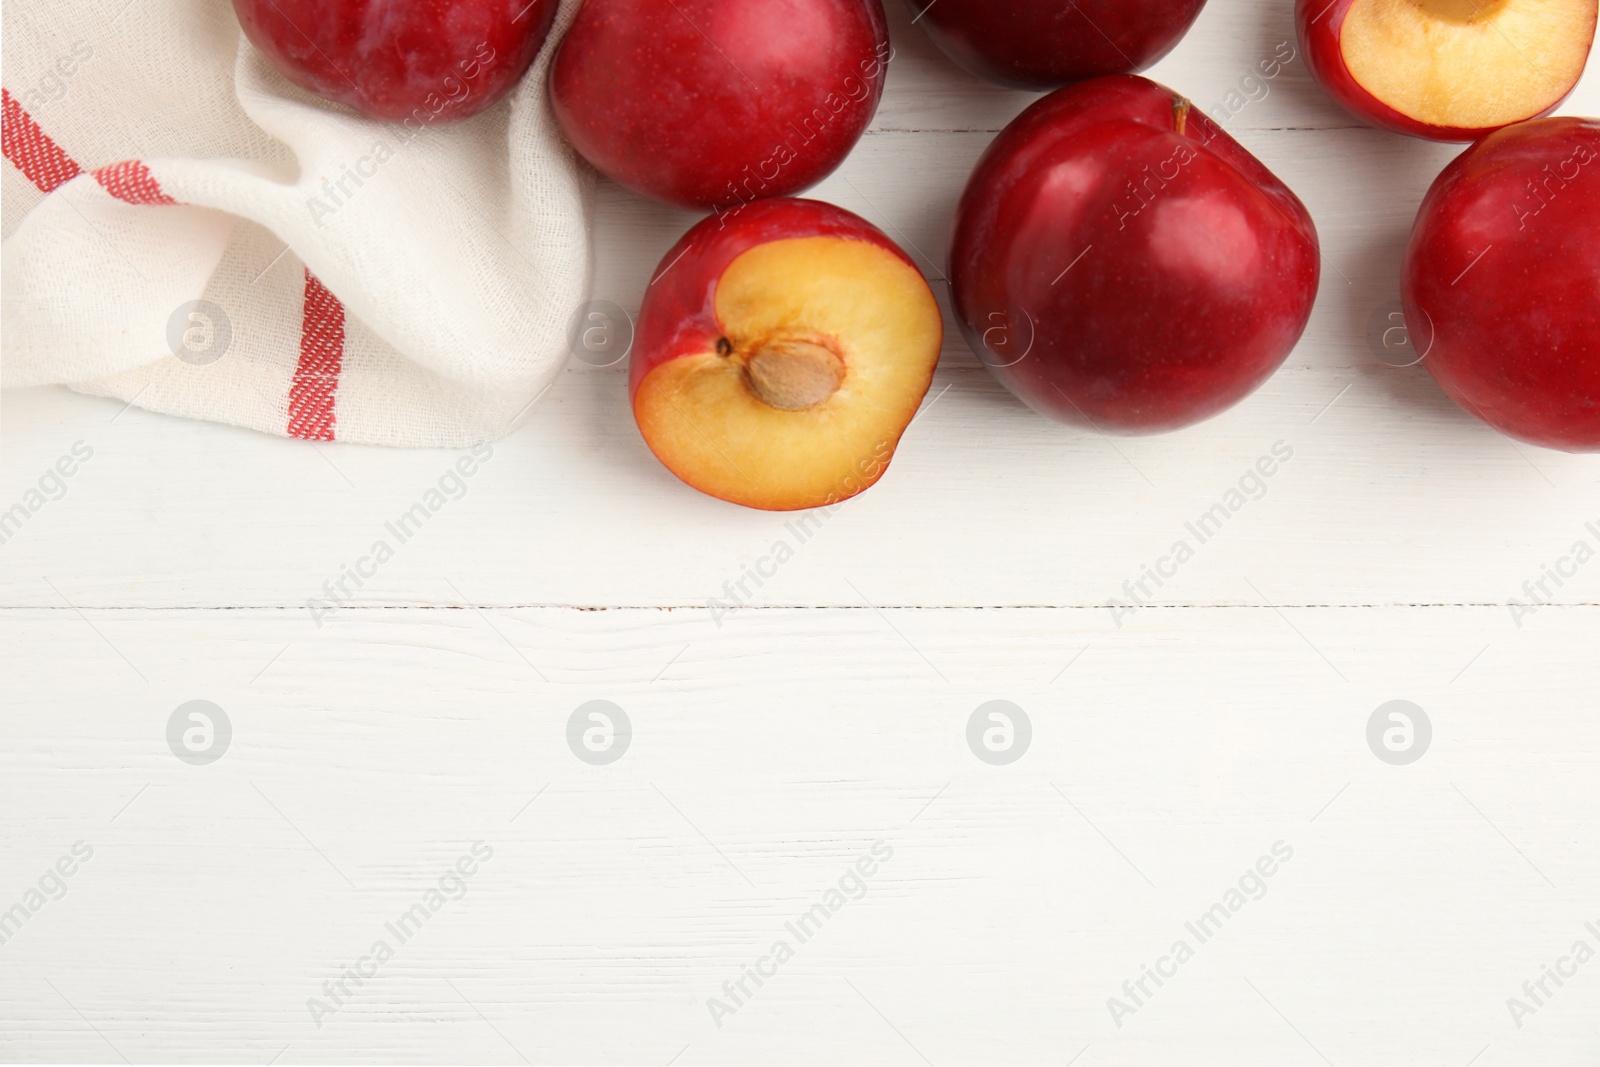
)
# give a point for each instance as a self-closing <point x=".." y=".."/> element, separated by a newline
<point x="766" y="758"/>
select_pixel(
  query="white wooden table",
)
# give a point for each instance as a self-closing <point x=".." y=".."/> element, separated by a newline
<point x="1172" y="747"/>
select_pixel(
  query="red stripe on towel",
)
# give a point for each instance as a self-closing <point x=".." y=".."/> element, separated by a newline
<point x="316" y="375"/>
<point x="131" y="181"/>
<point x="31" y="149"/>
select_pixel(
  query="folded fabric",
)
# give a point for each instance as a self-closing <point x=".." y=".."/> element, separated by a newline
<point x="187" y="231"/>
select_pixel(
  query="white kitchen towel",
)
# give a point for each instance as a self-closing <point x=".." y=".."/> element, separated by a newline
<point x="187" y="231"/>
